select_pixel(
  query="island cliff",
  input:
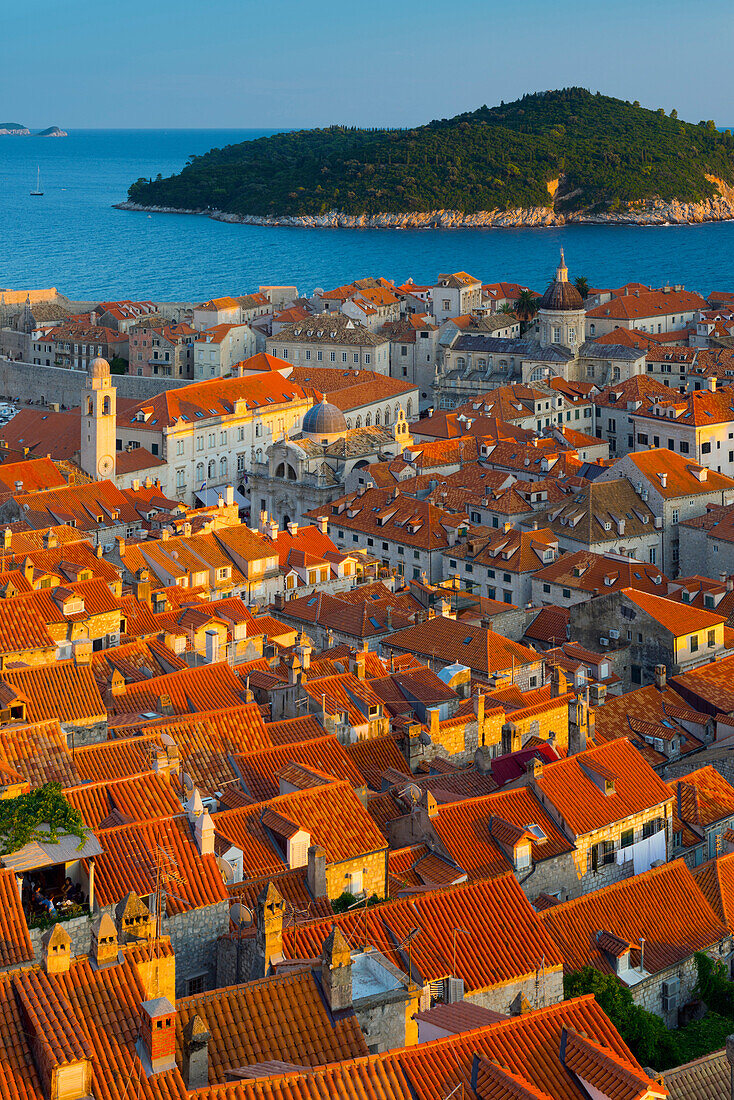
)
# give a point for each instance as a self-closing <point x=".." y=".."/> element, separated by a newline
<point x="547" y="159"/>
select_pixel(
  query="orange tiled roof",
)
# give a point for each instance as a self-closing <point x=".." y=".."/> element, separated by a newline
<point x="64" y="691"/>
<point x="260" y="771"/>
<point x="482" y="650"/>
<point x="15" y="941"/>
<point x="648" y="303"/>
<point x="213" y="398"/>
<point x="682" y="477"/>
<point x="333" y="815"/>
<point x="464" y="829"/>
<point x="137" y="798"/>
<point x="203" y="688"/>
<point x="374" y="755"/>
<point x="702" y="797"/>
<point x="673" y="616"/>
<point x="662" y="906"/>
<point x="283" y="1017"/>
<point x="567" y="786"/>
<point x="506" y="942"/>
<point x="129" y="863"/>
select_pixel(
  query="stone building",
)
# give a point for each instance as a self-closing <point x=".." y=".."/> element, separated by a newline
<point x="331" y="340"/>
<point x="300" y="475"/>
<point x="645" y="930"/>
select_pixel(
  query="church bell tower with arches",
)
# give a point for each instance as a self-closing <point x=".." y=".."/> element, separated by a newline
<point x="99" y="422"/>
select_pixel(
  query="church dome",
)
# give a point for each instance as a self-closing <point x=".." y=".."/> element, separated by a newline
<point x="324" y="420"/>
<point x="561" y="294"/>
<point x="99" y="368"/>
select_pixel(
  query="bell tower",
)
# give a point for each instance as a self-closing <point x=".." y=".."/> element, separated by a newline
<point x="99" y="422"/>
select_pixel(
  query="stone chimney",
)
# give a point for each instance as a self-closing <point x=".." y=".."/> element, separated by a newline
<point x="229" y="495"/>
<point x="105" y="949"/>
<point x="661" y="677"/>
<point x="316" y="874"/>
<point x="336" y="971"/>
<point x="134" y="920"/>
<point x="304" y="651"/>
<point x="195" y="1061"/>
<point x="578" y="726"/>
<point x="56" y="950"/>
<point x="143" y="586"/>
<point x="269" y="931"/>
<point x="204" y="834"/>
<point x="323" y="525"/>
<point x="559" y="683"/>
<point x="157" y="1042"/>
<point x="597" y="694"/>
<point x="7" y="538"/>
<point x="358" y="664"/>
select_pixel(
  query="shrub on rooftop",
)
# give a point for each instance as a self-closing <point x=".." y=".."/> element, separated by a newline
<point x="43" y="815"/>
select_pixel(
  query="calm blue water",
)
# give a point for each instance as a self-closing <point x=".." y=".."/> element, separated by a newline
<point x="73" y="239"/>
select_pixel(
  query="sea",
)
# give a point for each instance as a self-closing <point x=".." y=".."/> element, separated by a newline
<point x="72" y="237"/>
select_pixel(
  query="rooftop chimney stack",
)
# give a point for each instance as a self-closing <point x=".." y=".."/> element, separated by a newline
<point x="157" y="1042"/>
<point x="56" y="950"/>
<point x="661" y="677"/>
<point x="269" y="931"/>
<point x="316" y="874"/>
<point x="336" y="971"/>
<point x="105" y="949"/>
<point x="195" y="1062"/>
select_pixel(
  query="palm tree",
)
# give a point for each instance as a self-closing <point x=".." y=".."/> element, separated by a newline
<point x="582" y="286"/>
<point x="526" y="305"/>
<point x="506" y="308"/>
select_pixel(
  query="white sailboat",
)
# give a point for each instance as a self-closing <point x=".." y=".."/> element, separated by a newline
<point x="38" y="190"/>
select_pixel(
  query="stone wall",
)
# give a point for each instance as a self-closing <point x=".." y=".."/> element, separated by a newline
<point x="194" y="937"/>
<point x="545" y="988"/>
<point x="382" y="1020"/>
<point x="80" y="930"/>
<point x="57" y="385"/>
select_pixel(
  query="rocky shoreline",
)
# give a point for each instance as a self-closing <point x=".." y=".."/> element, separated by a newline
<point x="654" y="212"/>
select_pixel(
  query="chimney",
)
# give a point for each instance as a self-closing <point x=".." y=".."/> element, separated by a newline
<point x="187" y="529"/>
<point x="56" y="950"/>
<point x="661" y="677"/>
<point x="134" y="920"/>
<point x="316" y="874"/>
<point x="434" y="719"/>
<point x="663" y="480"/>
<point x="136" y="484"/>
<point x="7" y="538"/>
<point x="229" y="495"/>
<point x="710" y="383"/>
<point x="559" y="683"/>
<point x="143" y="586"/>
<point x="195" y="1061"/>
<point x="157" y="1043"/>
<point x="358" y="665"/>
<point x="50" y="540"/>
<point x="269" y="931"/>
<point x="478" y="707"/>
<point x="262" y="521"/>
<point x="533" y="767"/>
<point x="304" y="651"/>
<point x="292" y="529"/>
<point x="212" y="647"/>
<point x="220" y="502"/>
<point x="323" y="524"/>
<point x="336" y="971"/>
<point x="597" y="694"/>
<point x="105" y="949"/>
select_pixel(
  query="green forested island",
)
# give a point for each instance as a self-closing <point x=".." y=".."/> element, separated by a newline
<point x="571" y="150"/>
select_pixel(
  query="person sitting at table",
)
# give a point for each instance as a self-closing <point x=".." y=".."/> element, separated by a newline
<point x="41" y="901"/>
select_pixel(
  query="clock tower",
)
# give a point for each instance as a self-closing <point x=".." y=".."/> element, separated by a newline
<point x="99" y="422"/>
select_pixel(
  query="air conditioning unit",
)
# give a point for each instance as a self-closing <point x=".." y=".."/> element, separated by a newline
<point x="614" y="635"/>
<point x="604" y="641"/>
<point x="670" y="992"/>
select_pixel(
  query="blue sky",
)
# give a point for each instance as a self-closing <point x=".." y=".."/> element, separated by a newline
<point x="288" y="63"/>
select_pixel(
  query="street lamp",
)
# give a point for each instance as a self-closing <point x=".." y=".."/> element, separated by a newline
<point x="464" y="933"/>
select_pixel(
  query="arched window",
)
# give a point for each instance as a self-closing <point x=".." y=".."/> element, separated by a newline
<point x="280" y="469"/>
<point x="387" y="414"/>
<point x="616" y="374"/>
<point x="258" y="430"/>
<point x="89" y="406"/>
<point x="259" y="454"/>
<point x="199" y="471"/>
<point x="368" y="420"/>
<point x="410" y="407"/>
<point x="377" y="419"/>
<point x="212" y="471"/>
<point x="106" y="407"/>
<point x="223" y="466"/>
<point x="358" y="422"/>
<point x="349" y="422"/>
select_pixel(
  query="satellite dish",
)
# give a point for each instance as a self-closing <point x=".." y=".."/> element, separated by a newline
<point x="240" y="914"/>
<point x="167" y="740"/>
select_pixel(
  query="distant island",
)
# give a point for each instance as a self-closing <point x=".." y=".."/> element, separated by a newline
<point x="17" y="129"/>
<point x="546" y="159"/>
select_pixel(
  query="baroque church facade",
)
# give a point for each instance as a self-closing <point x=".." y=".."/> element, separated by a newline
<point x="554" y="346"/>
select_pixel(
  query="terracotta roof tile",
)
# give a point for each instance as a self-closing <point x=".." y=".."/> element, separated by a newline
<point x="15" y="941"/>
<point x="662" y="906"/>
<point x="261" y="771"/>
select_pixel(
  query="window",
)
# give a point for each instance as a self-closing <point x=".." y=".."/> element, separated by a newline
<point x="344" y="357"/>
<point x="683" y="448"/>
<point x="566" y="593"/>
<point x="705" y="448"/>
<point x="694" y="643"/>
<point x="627" y="838"/>
<point x="711" y="639"/>
<point x="652" y="555"/>
<point x="636" y="674"/>
<point x="179" y="447"/>
<point x="649" y="828"/>
<point x="522" y="858"/>
<point x="197" y="984"/>
<point x="546" y="588"/>
<point x="674" y="515"/>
